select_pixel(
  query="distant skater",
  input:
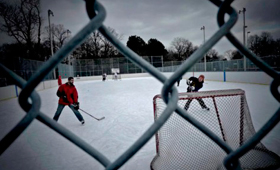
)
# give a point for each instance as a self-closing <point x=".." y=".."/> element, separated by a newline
<point x="178" y="81"/>
<point x="68" y="96"/>
<point x="115" y="75"/>
<point x="104" y="77"/>
<point x="194" y="84"/>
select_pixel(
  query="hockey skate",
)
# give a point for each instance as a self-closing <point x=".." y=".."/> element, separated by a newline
<point x="206" y="108"/>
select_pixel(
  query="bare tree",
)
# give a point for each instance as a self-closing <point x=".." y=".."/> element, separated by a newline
<point x="96" y="43"/>
<point x="91" y="47"/>
<point x="211" y="55"/>
<point x="228" y="54"/>
<point x="22" y="21"/>
<point x="262" y="45"/>
<point x="60" y="35"/>
<point x="97" y="46"/>
<point x="171" y="55"/>
<point x="236" y="55"/>
<point x="40" y="20"/>
<point x="108" y="49"/>
<point x="183" y="47"/>
<point x="221" y="57"/>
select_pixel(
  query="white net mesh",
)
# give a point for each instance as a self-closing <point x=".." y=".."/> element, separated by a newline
<point x="116" y="74"/>
<point x="181" y="146"/>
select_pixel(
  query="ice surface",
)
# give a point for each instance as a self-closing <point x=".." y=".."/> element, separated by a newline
<point x="128" y="110"/>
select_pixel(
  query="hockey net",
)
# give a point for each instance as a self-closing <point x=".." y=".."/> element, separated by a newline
<point x="180" y="145"/>
<point x="116" y="75"/>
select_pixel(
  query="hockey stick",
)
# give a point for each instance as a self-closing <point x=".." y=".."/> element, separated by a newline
<point x="91" y="115"/>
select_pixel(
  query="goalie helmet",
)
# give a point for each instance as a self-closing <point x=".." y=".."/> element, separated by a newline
<point x="201" y="77"/>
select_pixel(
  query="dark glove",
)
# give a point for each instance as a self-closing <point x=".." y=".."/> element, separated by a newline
<point x="62" y="95"/>
<point x="76" y="105"/>
<point x="64" y="98"/>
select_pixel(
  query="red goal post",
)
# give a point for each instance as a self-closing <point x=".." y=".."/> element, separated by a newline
<point x="179" y="145"/>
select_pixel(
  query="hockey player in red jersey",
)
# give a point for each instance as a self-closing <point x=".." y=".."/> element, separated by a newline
<point x="194" y="84"/>
<point x="68" y="96"/>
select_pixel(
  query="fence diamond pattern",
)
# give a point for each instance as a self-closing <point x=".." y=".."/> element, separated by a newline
<point x="169" y="92"/>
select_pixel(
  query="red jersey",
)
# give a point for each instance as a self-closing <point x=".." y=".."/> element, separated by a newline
<point x="70" y="92"/>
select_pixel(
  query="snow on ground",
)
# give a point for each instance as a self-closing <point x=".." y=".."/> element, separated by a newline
<point x="128" y="110"/>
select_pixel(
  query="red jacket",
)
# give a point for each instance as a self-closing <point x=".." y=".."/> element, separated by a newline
<point x="70" y="92"/>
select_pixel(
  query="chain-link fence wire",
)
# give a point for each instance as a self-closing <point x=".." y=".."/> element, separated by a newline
<point x="169" y="92"/>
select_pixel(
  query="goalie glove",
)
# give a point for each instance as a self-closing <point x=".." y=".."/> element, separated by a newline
<point x="190" y="88"/>
<point x="189" y="82"/>
<point x="76" y="105"/>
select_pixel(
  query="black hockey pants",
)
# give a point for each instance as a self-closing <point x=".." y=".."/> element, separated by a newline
<point x="200" y="101"/>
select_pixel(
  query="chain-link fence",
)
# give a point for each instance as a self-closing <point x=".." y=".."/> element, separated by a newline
<point x="26" y="68"/>
<point x="94" y="67"/>
<point x="169" y="92"/>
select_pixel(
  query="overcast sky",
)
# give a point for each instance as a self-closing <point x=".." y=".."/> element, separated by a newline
<point x="165" y="20"/>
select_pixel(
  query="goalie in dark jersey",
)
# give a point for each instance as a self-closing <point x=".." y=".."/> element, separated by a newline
<point x="194" y="84"/>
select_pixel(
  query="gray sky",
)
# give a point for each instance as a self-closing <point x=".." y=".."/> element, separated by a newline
<point x="167" y="19"/>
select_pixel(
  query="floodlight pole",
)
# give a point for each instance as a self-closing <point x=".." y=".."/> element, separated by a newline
<point x="244" y="28"/>
<point x="203" y="28"/>
<point x="50" y="34"/>
<point x="67" y="33"/>
<point x="50" y="30"/>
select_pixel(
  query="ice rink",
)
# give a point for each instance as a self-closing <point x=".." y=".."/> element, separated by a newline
<point x="128" y="110"/>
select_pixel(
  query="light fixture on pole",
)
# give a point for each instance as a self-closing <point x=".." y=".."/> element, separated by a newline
<point x="203" y="28"/>
<point x="68" y="32"/>
<point x="244" y="28"/>
<point x="50" y="34"/>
